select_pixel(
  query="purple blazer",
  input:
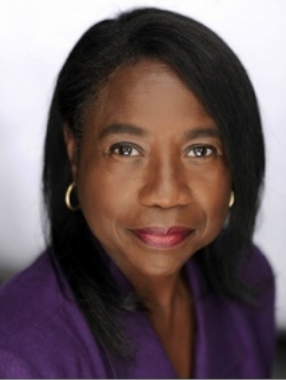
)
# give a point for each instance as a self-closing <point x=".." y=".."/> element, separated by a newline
<point x="43" y="334"/>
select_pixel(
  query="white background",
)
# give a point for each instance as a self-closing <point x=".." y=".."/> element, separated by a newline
<point x="35" y="38"/>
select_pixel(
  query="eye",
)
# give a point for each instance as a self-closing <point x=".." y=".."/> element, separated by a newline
<point x="124" y="149"/>
<point x="201" y="151"/>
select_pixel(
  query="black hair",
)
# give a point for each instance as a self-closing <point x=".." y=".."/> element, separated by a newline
<point x="213" y="72"/>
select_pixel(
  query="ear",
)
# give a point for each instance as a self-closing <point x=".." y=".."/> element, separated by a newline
<point x="71" y="146"/>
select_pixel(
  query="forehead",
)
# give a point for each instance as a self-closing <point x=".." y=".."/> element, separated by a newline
<point x="147" y="91"/>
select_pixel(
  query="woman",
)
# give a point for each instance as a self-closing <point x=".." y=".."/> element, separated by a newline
<point x="154" y="162"/>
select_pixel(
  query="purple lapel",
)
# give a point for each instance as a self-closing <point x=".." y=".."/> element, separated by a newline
<point x="218" y="346"/>
<point x="151" y="360"/>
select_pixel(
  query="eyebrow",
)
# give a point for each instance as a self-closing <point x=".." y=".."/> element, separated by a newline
<point x="202" y="132"/>
<point x="120" y="128"/>
<point x="125" y="128"/>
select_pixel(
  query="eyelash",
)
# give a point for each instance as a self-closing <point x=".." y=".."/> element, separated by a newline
<point x="124" y="146"/>
<point x="202" y="151"/>
<point x="198" y="151"/>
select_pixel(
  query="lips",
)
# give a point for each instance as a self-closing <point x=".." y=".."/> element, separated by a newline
<point x="162" y="238"/>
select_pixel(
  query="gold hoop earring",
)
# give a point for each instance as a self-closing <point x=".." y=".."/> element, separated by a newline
<point x="231" y="200"/>
<point x="68" y="198"/>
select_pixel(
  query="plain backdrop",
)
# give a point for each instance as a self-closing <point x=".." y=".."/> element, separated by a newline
<point x="35" y="38"/>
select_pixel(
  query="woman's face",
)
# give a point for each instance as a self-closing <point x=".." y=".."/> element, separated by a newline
<point x="151" y="175"/>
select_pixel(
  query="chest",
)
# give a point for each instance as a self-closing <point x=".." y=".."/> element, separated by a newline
<point x="179" y="347"/>
<point x="178" y="340"/>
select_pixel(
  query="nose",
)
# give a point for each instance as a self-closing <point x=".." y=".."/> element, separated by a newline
<point x="165" y="185"/>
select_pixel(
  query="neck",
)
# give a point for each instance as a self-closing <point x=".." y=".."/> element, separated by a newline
<point x="161" y="295"/>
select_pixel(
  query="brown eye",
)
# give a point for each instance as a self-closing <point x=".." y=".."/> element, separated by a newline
<point x="124" y="149"/>
<point x="201" y="151"/>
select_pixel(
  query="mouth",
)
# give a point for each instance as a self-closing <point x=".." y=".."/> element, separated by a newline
<point x="162" y="238"/>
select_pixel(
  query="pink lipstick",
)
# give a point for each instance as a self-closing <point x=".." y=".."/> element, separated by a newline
<point x="162" y="238"/>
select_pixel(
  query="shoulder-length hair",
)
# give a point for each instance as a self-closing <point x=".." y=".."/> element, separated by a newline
<point x="215" y="75"/>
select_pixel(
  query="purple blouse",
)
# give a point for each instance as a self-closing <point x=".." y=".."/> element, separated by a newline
<point x="43" y="334"/>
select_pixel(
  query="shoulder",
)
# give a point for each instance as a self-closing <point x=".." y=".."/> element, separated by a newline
<point x="242" y="330"/>
<point x="254" y="321"/>
<point x="256" y="272"/>
<point x="28" y="299"/>
<point x="257" y="314"/>
<point x="41" y="327"/>
<point x="256" y="266"/>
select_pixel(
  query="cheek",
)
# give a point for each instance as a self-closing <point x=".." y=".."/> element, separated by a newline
<point x="104" y="198"/>
<point x="217" y="213"/>
<point x="215" y="201"/>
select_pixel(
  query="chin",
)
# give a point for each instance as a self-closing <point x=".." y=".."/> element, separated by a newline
<point x="160" y="266"/>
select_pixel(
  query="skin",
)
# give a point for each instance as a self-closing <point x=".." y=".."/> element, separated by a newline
<point x="174" y="173"/>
